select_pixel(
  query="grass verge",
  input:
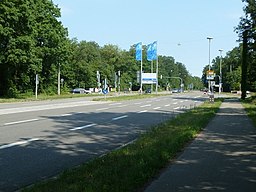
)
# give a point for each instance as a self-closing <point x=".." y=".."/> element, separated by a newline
<point x="250" y="107"/>
<point x="129" y="168"/>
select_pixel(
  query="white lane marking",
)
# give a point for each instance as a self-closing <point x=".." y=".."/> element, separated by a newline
<point x="112" y="104"/>
<point x="181" y="101"/>
<point x="102" y="109"/>
<point x="175" y="99"/>
<point x="122" y="106"/>
<point x="137" y="103"/>
<point x="186" y="100"/>
<point x="144" y="111"/>
<point x="146" y="105"/>
<point x="175" y="103"/>
<point x="121" y="117"/>
<point x="176" y="108"/>
<point x="157" y="107"/>
<point x="23" y="121"/>
<point x="18" y="143"/>
<point x="64" y="115"/>
<point x="82" y="127"/>
<point x="167" y="105"/>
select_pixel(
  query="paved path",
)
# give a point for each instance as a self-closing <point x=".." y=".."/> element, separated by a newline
<point x="222" y="158"/>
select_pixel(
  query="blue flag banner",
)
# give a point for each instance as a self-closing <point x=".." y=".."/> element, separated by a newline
<point x="154" y="51"/>
<point x="138" y="52"/>
<point x="149" y="52"/>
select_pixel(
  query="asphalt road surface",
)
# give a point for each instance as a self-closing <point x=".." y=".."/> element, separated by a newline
<point x="38" y="140"/>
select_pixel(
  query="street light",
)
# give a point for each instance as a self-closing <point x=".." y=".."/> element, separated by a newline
<point x="220" y="83"/>
<point x="209" y="82"/>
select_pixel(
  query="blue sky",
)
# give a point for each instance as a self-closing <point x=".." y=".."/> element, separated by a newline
<point x="181" y="27"/>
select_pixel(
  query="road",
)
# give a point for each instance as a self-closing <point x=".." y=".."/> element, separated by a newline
<point x="38" y="140"/>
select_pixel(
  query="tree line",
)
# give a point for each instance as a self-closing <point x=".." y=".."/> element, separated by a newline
<point x="34" y="42"/>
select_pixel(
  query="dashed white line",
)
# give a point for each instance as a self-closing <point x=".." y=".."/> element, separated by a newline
<point x="122" y="106"/>
<point x="121" y="117"/>
<point x="157" y="107"/>
<point x="167" y="105"/>
<point x="144" y="111"/>
<point x="64" y="115"/>
<point x="137" y="103"/>
<point x="82" y="127"/>
<point x="102" y="109"/>
<point x="113" y="104"/>
<point x="176" y="108"/>
<point x="175" y="103"/>
<point x="148" y="105"/>
<point x="18" y="143"/>
<point x="23" y="121"/>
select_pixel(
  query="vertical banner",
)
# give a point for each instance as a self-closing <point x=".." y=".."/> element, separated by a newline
<point x="149" y="52"/>
<point x="138" y="52"/>
<point x="154" y="50"/>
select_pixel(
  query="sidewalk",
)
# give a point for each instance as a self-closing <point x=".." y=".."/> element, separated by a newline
<point x="221" y="158"/>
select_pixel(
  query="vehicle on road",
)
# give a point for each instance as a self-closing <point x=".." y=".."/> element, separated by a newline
<point x="148" y="90"/>
<point x="80" y="91"/>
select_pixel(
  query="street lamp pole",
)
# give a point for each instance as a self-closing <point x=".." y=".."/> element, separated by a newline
<point x="220" y="83"/>
<point x="209" y="81"/>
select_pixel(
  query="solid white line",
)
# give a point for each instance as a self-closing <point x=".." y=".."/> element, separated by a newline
<point x="18" y="143"/>
<point x="82" y="127"/>
<point x="146" y="105"/>
<point x="167" y="105"/>
<point x="121" y="117"/>
<point x="101" y="109"/>
<point x="23" y="121"/>
<point x="142" y="111"/>
<point x="157" y="107"/>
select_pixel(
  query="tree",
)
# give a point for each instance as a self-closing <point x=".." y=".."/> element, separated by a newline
<point x="247" y="31"/>
<point x="32" y="41"/>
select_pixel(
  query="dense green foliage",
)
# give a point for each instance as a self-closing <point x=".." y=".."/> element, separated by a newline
<point x="232" y="62"/>
<point x="131" y="167"/>
<point x="33" y="41"/>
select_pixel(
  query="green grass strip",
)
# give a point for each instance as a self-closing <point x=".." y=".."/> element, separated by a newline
<point x="131" y="167"/>
<point x="250" y="107"/>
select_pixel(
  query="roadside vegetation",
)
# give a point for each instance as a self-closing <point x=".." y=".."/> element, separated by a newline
<point x="130" y="168"/>
<point x="250" y="107"/>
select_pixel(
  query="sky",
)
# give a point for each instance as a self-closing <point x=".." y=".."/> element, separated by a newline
<point x="180" y="27"/>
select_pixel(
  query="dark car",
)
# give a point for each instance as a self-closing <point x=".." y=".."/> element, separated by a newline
<point x="148" y="90"/>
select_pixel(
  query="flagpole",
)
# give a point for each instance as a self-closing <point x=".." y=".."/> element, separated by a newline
<point x="156" y="73"/>
<point x="152" y="70"/>
<point x="141" y="72"/>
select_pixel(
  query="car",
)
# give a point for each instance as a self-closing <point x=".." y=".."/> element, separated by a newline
<point x="78" y="90"/>
<point x="175" y="90"/>
<point x="148" y="90"/>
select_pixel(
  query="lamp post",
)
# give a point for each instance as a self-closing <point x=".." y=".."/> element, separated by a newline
<point x="220" y="82"/>
<point x="209" y="82"/>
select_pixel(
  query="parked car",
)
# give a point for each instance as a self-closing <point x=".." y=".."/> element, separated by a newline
<point x="148" y="90"/>
<point x="78" y="90"/>
<point x="175" y="90"/>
